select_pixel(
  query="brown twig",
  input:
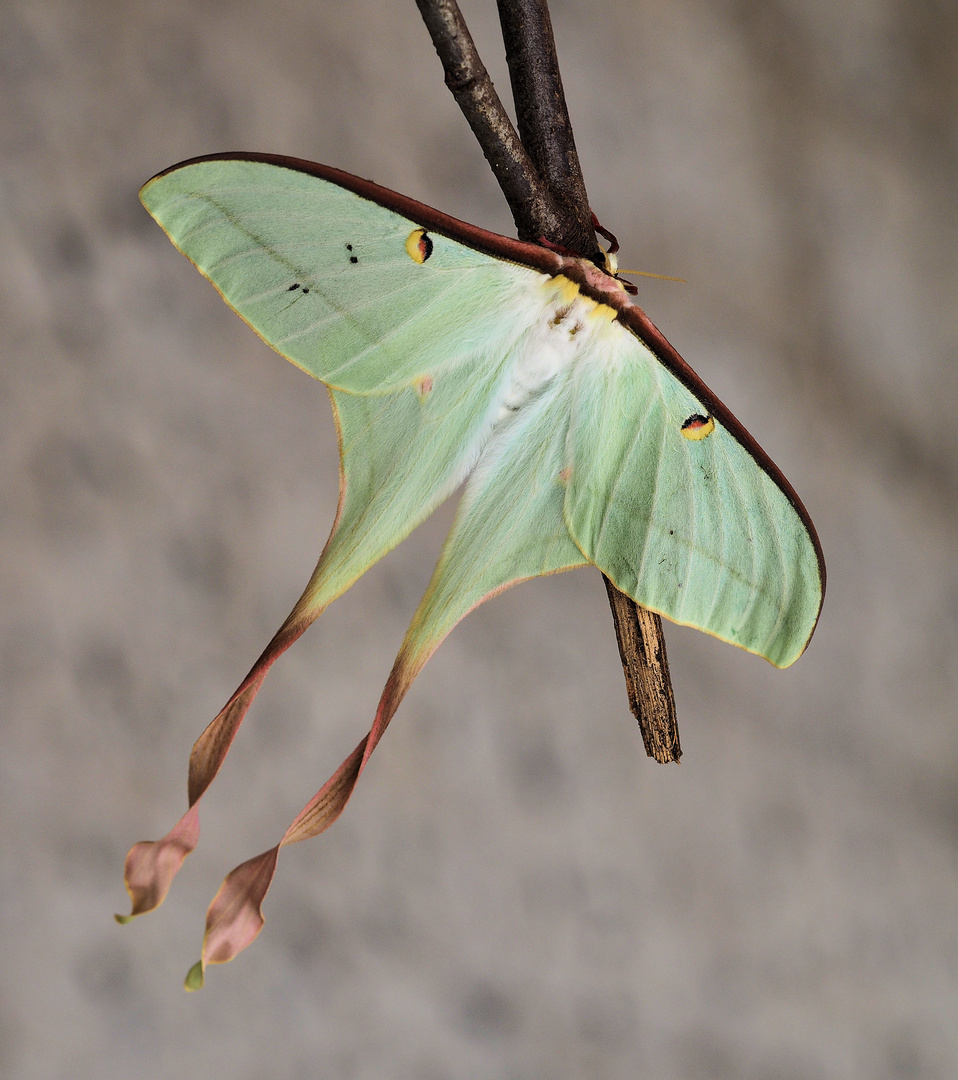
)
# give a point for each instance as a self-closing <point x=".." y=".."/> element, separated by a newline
<point x="646" y="670"/>
<point x="541" y="114"/>
<point x="534" y="210"/>
<point x="541" y="178"/>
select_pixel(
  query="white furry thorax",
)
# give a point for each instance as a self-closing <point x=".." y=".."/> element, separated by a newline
<point x="565" y="326"/>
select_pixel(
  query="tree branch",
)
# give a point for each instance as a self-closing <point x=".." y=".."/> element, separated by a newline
<point x="541" y="114"/>
<point x="541" y="178"/>
<point x="533" y="207"/>
<point x="646" y="669"/>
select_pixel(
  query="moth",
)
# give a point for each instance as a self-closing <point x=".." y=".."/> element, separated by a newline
<point x="454" y="356"/>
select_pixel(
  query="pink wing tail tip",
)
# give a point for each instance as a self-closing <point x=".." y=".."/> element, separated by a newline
<point x="152" y="864"/>
<point x="235" y="917"/>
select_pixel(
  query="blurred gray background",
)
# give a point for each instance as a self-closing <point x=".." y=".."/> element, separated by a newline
<point x="515" y="889"/>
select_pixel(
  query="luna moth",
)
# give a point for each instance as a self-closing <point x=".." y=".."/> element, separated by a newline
<point x="454" y="356"/>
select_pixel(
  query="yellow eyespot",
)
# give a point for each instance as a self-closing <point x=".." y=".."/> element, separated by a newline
<point x="418" y="246"/>
<point x="698" y="427"/>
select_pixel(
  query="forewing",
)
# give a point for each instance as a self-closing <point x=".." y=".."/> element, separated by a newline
<point x="694" y="528"/>
<point x="331" y="279"/>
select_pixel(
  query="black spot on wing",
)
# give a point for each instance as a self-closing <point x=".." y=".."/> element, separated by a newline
<point x="301" y="290"/>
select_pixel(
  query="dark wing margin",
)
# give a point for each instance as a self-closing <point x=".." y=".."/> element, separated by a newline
<point x="489" y="243"/>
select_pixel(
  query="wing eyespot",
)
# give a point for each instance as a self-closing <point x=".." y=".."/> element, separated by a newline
<point x="698" y="427"/>
<point x="418" y="246"/>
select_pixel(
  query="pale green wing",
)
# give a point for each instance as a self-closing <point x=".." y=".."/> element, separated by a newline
<point x="414" y="333"/>
<point x="691" y="527"/>
<point x="359" y="296"/>
<point x="326" y="277"/>
<point x="509" y="526"/>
